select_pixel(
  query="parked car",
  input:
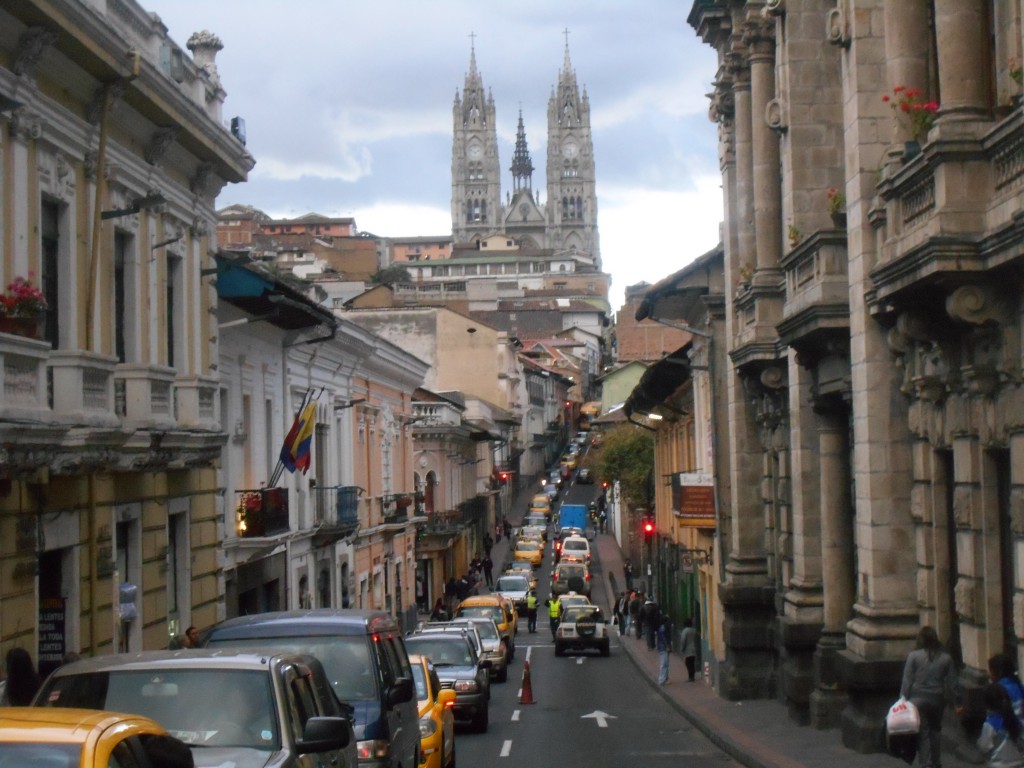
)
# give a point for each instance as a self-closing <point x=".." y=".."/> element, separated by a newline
<point x="242" y="708"/>
<point x="582" y="627"/>
<point x="458" y="668"/>
<point x="83" y="738"/>
<point x="437" y="723"/>
<point x="366" y="662"/>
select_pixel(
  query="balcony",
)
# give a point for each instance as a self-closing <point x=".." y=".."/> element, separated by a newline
<point x="337" y="506"/>
<point x="816" y="304"/>
<point x="83" y="388"/>
<point x="23" y="379"/>
<point x="262" y="512"/>
<point x="144" y="395"/>
<point x="395" y="507"/>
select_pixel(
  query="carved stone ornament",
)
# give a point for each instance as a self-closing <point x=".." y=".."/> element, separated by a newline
<point x="159" y="143"/>
<point x="26" y="126"/>
<point x="32" y="44"/>
<point x="774" y="8"/>
<point x="964" y="597"/>
<point x="836" y="31"/>
<point x="114" y="92"/>
<point x="55" y="176"/>
<point x="201" y="178"/>
<point x="977" y="305"/>
<point x="773" y="116"/>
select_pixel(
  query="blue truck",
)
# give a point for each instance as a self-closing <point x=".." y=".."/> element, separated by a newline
<point x="572" y="516"/>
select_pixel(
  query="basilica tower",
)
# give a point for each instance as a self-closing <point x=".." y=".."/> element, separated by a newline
<point x="476" y="172"/>
<point x="572" y="195"/>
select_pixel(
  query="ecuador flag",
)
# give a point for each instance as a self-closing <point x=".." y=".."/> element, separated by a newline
<point x="295" y="453"/>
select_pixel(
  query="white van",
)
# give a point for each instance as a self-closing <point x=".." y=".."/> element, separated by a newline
<point x="575" y="548"/>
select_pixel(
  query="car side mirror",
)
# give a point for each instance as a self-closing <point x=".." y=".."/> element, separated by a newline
<point x="400" y="692"/>
<point x="485" y="664"/>
<point x="322" y="734"/>
<point x="446" y="697"/>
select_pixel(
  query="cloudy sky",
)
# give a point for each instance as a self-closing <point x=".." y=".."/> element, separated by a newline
<point x="348" y="110"/>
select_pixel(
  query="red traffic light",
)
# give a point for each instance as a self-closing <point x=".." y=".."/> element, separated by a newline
<point x="648" y="527"/>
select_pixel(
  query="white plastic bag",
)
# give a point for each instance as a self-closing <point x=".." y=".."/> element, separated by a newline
<point x="903" y="717"/>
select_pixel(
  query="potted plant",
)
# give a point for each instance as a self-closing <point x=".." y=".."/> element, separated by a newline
<point x="21" y="308"/>
<point x="836" y="202"/>
<point x="915" y="112"/>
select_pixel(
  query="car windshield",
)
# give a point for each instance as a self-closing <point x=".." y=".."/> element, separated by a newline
<point x="346" y="659"/>
<point x="527" y="546"/>
<point x="485" y="611"/>
<point x="202" y="707"/>
<point x="442" y="651"/>
<point x="41" y="753"/>
<point x="511" y="584"/>
<point x="568" y="572"/>
<point x="487" y="630"/>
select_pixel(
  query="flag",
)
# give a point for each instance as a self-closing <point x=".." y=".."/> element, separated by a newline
<point x="295" y="453"/>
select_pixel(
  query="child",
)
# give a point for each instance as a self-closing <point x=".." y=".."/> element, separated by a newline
<point x="1000" y="735"/>
<point x="1001" y="670"/>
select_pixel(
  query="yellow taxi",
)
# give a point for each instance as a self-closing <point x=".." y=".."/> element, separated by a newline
<point x="74" y="737"/>
<point x="493" y="606"/>
<point x="529" y="549"/>
<point x="540" y="503"/>
<point x="437" y="721"/>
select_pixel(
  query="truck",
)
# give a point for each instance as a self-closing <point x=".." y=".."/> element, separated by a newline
<point x="572" y="516"/>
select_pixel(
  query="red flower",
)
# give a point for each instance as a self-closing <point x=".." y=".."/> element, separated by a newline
<point x="910" y="102"/>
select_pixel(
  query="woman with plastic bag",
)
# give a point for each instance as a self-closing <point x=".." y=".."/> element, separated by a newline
<point x="929" y="682"/>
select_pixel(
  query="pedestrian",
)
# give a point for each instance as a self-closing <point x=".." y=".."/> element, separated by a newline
<point x="688" y="649"/>
<point x="554" y="613"/>
<point x="451" y="594"/>
<point x="1001" y="669"/>
<point x="488" y="566"/>
<point x="663" y="650"/>
<point x="1000" y="735"/>
<point x="488" y="543"/>
<point x="652" y="617"/>
<point x="617" y="609"/>
<point x="602" y="518"/>
<point x="439" y="613"/>
<point x="627" y="569"/>
<point x="192" y="636"/>
<point x="635" y="602"/>
<point x="930" y="682"/>
<point x="531" y="611"/>
<point x="22" y="680"/>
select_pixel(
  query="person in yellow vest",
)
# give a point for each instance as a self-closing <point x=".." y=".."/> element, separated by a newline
<point x="554" y="605"/>
<point x="531" y="611"/>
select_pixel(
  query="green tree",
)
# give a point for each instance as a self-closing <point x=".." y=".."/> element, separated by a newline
<point x="627" y="455"/>
<point x="392" y="275"/>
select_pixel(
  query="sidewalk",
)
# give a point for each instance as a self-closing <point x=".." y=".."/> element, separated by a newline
<point x="757" y="733"/>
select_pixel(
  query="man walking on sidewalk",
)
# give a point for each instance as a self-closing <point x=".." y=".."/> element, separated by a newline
<point x="688" y="648"/>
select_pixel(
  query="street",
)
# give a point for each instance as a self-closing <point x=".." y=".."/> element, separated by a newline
<point x="587" y="711"/>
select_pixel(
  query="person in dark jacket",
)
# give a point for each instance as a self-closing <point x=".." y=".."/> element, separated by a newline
<point x="22" y="679"/>
<point x="635" y="614"/>
<point x="930" y="682"/>
<point x="652" y="617"/>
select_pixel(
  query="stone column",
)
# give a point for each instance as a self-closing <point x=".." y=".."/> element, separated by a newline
<point x="760" y="36"/>
<point x="836" y="528"/>
<point x="744" y="222"/>
<point x="961" y="28"/>
<point x="906" y="52"/>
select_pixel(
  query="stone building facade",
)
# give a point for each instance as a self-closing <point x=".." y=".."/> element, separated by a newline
<point x="873" y="258"/>
<point x="112" y="151"/>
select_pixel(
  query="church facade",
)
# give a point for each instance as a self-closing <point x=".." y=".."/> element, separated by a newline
<point x="566" y="221"/>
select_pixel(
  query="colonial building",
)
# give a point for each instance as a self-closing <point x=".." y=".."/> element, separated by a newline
<point x="112" y="150"/>
<point x="872" y="254"/>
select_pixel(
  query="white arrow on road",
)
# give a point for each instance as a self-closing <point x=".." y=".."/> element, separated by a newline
<point x="601" y="717"/>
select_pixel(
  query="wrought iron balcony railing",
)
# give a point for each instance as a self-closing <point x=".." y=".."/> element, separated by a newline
<point x="262" y="512"/>
<point x="337" y="506"/>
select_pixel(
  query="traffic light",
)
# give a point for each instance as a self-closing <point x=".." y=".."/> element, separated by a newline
<point x="604" y="485"/>
<point x="648" y="528"/>
<point x="504" y="478"/>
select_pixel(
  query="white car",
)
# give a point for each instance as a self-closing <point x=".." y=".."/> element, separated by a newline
<point x="582" y="628"/>
<point x="576" y="548"/>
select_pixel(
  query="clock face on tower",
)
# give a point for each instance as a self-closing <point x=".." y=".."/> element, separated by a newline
<point x="570" y="150"/>
<point x="475" y="152"/>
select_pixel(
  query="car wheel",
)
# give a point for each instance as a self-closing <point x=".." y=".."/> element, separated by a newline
<point x="605" y="650"/>
<point x="503" y="674"/>
<point x="481" y="721"/>
<point x="559" y="650"/>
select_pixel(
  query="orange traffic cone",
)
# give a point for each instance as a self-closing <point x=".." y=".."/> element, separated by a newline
<point x="526" y="694"/>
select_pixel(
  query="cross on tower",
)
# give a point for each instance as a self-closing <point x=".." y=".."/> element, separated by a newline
<point x="566" y="33"/>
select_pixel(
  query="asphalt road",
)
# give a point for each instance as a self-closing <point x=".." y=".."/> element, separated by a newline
<point x="588" y="711"/>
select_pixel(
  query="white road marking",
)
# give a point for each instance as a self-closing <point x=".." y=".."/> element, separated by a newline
<point x="579" y="659"/>
<point x="602" y="718"/>
<point x="506" y="748"/>
<point x="515" y="715"/>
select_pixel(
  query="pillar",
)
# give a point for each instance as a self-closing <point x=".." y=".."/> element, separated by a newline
<point x="961" y="28"/>
<point x="906" y="51"/>
<point x="760" y="35"/>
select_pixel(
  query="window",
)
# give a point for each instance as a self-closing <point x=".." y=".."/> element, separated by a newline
<point x="122" y="291"/>
<point x="171" y="295"/>
<point x="50" y="260"/>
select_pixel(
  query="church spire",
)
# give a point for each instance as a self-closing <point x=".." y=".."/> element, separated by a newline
<point x="522" y="166"/>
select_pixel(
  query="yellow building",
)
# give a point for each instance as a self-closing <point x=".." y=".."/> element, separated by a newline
<point x="112" y="151"/>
